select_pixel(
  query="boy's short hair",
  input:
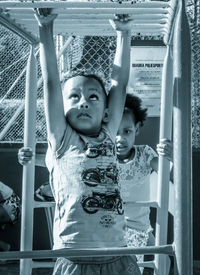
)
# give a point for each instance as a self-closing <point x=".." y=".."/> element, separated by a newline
<point x="75" y="73"/>
<point x="134" y="103"/>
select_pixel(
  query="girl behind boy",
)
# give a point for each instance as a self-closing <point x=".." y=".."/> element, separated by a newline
<point x="136" y="163"/>
<point x="82" y="124"/>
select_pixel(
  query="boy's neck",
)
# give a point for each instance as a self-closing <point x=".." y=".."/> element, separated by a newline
<point x="93" y="134"/>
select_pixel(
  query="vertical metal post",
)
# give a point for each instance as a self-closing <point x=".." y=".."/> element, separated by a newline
<point x="164" y="164"/>
<point x="182" y="145"/>
<point x="29" y="169"/>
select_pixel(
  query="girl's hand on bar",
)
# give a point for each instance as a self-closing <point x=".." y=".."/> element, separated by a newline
<point x="165" y="148"/>
<point x="25" y="155"/>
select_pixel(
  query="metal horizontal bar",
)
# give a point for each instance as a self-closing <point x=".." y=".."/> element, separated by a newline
<point x="141" y="11"/>
<point x="40" y="204"/>
<point x="103" y="32"/>
<point x="142" y="203"/>
<point x="81" y="4"/>
<point x="95" y="21"/>
<point x="88" y="25"/>
<point x="150" y="264"/>
<point x="108" y="27"/>
<point x="11" y="25"/>
<point x="150" y="18"/>
<point x="171" y="19"/>
<point x="94" y="17"/>
<point x="37" y="264"/>
<point x="88" y="252"/>
<point x="92" y="11"/>
<point x="82" y="33"/>
<point x="84" y="28"/>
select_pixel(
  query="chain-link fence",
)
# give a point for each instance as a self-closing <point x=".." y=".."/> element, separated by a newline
<point x="193" y="9"/>
<point x="92" y="54"/>
<point x="13" y="56"/>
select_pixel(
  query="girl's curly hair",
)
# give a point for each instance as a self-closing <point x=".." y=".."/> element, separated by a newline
<point x="134" y="103"/>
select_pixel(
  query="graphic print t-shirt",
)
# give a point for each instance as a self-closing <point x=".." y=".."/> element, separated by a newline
<point x="84" y="181"/>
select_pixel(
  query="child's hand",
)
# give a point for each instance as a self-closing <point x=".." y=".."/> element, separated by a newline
<point x="44" y="16"/>
<point x="165" y="148"/>
<point x="121" y="23"/>
<point x="25" y="155"/>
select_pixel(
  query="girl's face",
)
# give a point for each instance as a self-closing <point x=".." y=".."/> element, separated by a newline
<point x="125" y="138"/>
<point x="84" y="104"/>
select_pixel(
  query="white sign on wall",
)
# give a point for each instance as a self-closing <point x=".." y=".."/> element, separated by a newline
<point x="146" y="76"/>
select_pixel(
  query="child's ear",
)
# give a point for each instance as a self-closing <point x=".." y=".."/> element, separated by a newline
<point x="106" y="116"/>
<point x="137" y="128"/>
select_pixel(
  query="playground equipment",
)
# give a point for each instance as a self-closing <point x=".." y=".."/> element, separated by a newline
<point x="166" y="19"/>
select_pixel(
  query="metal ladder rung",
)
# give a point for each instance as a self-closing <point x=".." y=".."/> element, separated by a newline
<point x="142" y="203"/>
<point x="41" y="204"/>
<point x="37" y="264"/>
<point x="150" y="264"/>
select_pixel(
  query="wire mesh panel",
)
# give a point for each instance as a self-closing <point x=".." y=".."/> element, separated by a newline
<point x="13" y="56"/>
<point x="193" y="9"/>
<point x="88" y="54"/>
<point x="97" y="53"/>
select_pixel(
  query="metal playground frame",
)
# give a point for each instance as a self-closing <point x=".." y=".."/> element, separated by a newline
<point x="165" y="18"/>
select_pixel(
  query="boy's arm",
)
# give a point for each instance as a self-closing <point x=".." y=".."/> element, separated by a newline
<point x="53" y="101"/>
<point x="120" y="73"/>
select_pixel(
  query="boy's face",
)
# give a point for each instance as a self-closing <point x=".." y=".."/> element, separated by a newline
<point x="125" y="138"/>
<point x="84" y="104"/>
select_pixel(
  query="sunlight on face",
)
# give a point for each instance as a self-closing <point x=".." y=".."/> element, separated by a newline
<point x="84" y="104"/>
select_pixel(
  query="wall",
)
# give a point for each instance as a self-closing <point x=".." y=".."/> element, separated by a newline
<point x="149" y="133"/>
